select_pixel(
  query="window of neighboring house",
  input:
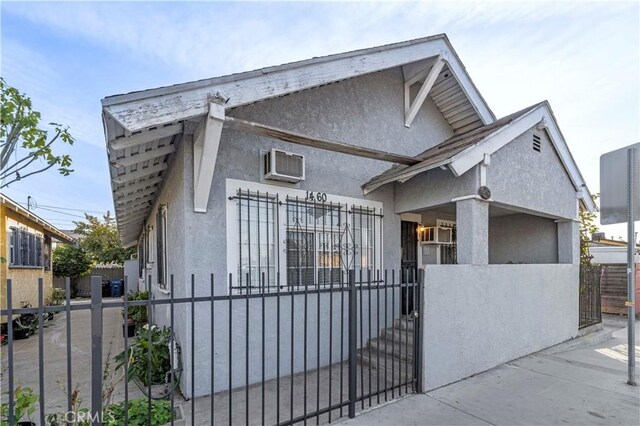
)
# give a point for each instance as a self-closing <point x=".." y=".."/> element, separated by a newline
<point x="258" y="245"/>
<point x="13" y="246"/>
<point x="46" y="253"/>
<point x="161" y="246"/>
<point x="25" y="248"/>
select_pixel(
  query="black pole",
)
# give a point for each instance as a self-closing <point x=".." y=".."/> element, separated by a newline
<point x="352" y="343"/>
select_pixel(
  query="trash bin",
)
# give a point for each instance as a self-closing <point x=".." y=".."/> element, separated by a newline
<point x="116" y="288"/>
<point x="106" y="288"/>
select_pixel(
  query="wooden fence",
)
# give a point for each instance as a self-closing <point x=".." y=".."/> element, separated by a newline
<point x="614" y="288"/>
<point x="107" y="272"/>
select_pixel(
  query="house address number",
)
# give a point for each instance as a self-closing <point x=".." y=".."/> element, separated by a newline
<point x="320" y="197"/>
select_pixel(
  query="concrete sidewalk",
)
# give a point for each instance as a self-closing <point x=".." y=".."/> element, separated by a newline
<point x="581" y="384"/>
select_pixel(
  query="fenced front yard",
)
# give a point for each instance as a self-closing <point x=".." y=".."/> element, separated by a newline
<point x="331" y="351"/>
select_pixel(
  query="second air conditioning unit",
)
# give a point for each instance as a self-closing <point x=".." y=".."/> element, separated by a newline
<point x="436" y="235"/>
<point x="283" y="166"/>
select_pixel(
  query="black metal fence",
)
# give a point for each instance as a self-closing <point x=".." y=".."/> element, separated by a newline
<point x="589" y="295"/>
<point x="316" y="353"/>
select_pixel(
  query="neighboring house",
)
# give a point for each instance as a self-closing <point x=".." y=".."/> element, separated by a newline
<point x="26" y="245"/>
<point x="607" y="251"/>
<point x="265" y="173"/>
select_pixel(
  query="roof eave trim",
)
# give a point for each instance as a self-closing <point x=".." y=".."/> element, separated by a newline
<point x="167" y="105"/>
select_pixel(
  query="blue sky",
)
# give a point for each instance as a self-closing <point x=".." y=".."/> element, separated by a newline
<point x="583" y="57"/>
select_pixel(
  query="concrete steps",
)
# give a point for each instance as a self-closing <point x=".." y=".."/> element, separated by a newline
<point x="391" y="353"/>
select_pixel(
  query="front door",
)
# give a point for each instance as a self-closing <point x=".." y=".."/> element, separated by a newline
<point x="408" y="261"/>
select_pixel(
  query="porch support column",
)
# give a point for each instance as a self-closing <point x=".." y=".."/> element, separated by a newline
<point x="472" y="223"/>
<point x="569" y="242"/>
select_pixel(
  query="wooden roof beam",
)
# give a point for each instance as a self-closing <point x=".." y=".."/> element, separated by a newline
<point x="300" y="139"/>
<point x="412" y="108"/>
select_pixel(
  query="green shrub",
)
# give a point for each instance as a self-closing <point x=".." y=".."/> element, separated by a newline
<point x="24" y="403"/>
<point x="57" y="296"/>
<point x="139" y="355"/>
<point x="138" y="314"/>
<point x="138" y="413"/>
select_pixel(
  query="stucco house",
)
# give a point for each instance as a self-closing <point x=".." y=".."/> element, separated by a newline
<point x="253" y="176"/>
<point x="26" y="246"/>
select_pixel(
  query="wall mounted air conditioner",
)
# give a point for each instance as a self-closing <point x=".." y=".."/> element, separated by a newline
<point x="283" y="166"/>
<point x="436" y="235"/>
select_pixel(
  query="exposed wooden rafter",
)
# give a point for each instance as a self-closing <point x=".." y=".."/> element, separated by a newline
<point x="140" y="173"/>
<point x="137" y="186"/>
<point x="138" y="196"/>
<point x="412" y="108"/>
<point x="143" y="156"/>
<point x="299" y="139"/>
<point x="148" y="135"/>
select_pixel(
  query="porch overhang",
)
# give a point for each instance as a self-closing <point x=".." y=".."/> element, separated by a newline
<point x="462" y="152"/>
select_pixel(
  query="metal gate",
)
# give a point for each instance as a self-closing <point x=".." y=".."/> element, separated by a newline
<point x="589" y="295"/>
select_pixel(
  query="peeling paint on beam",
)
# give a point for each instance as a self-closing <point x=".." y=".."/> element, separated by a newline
<point x="299" y="139"/>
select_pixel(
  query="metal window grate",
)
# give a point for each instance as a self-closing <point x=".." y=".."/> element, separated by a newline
<point x="536" y="143"/>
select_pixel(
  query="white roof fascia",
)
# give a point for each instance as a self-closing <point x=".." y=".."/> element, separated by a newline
<point x="156" y="107"/>
<point x="405" y="175"/>
<point x="473" y="155"/>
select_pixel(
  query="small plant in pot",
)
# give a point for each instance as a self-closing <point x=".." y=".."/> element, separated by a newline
<point x="24" y="404"/>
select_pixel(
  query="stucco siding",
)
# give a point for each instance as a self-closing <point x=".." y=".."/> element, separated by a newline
<point x="24" y="286"/>
<point x="434" y="188"/>
<point x="477" y="317"/>
<point x="536" y="181"/>
<point x="523" y="238"/>
<point x="366" y="111"/>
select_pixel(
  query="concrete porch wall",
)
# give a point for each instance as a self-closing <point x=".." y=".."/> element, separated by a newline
<point x="476" y="317"/>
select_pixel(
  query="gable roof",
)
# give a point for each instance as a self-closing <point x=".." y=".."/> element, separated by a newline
<point x="142" y="128"/>
<point x="462" y="152"/>
<point x="138" y="110"/>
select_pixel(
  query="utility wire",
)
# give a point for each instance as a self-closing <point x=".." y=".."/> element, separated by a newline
<point x="66" y="208"/>
<point x="59" y="212"/>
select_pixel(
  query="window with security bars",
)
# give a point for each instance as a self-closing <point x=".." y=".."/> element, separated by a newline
<point x="25" y="248"/>
<point x="258" y="246"/>
<point x="313" y="243"/>
<point x="320" y="242"/>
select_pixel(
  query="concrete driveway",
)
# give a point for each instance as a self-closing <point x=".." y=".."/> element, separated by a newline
<point x="26" y="353"/>
<point x="575" y="383"/>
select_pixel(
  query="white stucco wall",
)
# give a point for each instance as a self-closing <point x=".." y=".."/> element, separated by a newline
<point x="476" y="317"/>
<point x="366" y="111"/>
<point x="533" y="181"/>
<point x="523" y="238"/>
<point x="605" y="255"/>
